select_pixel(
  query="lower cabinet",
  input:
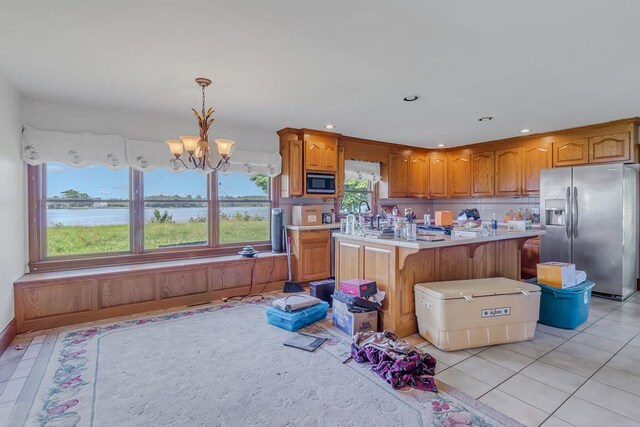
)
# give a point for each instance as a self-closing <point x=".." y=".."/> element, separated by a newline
<point x="311" y="254"/>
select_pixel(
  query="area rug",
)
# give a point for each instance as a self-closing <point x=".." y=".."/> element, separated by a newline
<point x="223" y="366"/>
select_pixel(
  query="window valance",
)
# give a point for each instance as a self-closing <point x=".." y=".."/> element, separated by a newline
<point x="361" y="170"/>
<point x="116" y="152"/>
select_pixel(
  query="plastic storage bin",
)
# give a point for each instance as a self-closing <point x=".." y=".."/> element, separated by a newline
<point x="294" y="320"/>
<point x="473" y="313"/>
<point x="564" y="308"/>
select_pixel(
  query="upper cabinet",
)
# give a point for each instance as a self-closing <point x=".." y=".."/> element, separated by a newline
<point x="340" y="174"/>
<point x="534" y="159"/>
<point x="571" y="153"/>
<point x="320" y="152"/>
<point x="459" y="168"/>
<point x="418" y="175"/>
<point x="508" y="172"/>
<point x="398" y="175"/>
<point x="291" y="151"/>
<point x="610" y="148"/>
<point x="482" y="173"/>
<point x="438" y="174"/>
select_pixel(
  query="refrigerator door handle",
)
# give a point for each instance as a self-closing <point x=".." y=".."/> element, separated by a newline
<point x="575" y="213"/>
<point x="567" y="215"/>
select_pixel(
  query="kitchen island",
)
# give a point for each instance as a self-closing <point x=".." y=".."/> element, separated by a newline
<point x="397" y="264"/>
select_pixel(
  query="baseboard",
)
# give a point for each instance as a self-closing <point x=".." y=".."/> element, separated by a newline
<point x="7" y="335"/>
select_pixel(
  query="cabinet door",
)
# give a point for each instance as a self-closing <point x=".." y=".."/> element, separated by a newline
<point x="315" y="255"/>
<point x="459" y="184"/>
<point x="398" y="175"/>
<point x="437" y="175"/>
<point x="313" y="154"/>
<point x="530" y="257"/>
<point x="535" y="159"/>
<point x="296" y="178"/>
<point x="330" y="156"/>
<point x="340" y="173"/>
<point x="482" y="173"/>
<point x="610" y="148"/>
<point x="418" y="168"/>
<point x="508" y="172"/>
<point x="570" y="153"/>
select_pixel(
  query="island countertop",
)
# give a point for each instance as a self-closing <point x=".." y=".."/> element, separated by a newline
<point x="448" y="240"/>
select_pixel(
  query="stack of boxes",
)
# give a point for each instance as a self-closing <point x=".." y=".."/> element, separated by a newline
<point x="354" y="309"/>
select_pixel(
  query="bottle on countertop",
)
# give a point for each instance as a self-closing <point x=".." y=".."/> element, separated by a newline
<point x="494" y="222"/>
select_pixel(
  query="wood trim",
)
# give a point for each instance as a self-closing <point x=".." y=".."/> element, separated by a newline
<point x="7" y="335"/>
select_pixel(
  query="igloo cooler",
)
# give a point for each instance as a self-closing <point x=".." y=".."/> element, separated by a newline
<point x="473" y="313"/>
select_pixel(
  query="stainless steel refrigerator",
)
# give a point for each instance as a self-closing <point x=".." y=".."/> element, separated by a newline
<point x="590" y="217"/>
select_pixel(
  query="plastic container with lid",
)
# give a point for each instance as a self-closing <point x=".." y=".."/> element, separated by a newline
<point x="294" y="320"/>
<point x="478" y="312"/>
<point x="565" y="308"/>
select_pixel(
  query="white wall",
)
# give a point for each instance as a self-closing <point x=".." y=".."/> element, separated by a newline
<point x="13" y="258"/>
<point x="65" y="117"/>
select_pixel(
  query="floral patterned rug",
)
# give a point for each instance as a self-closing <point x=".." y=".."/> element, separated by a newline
<point x="224" y="365"/>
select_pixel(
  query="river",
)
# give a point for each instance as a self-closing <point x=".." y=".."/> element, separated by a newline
<point x="114" y="216"/>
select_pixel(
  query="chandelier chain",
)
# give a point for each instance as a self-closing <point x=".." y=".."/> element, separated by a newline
<point x="203" y="88"/>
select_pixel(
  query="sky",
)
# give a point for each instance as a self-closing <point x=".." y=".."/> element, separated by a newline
<point x="101" y="182"/>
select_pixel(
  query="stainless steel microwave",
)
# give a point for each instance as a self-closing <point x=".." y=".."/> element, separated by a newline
<point x="321" y="183"/>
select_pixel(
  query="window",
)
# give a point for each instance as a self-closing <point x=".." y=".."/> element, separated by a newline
<point x="97" y="216"/>
<point x="176" y="209"/>
<point x="355" y="191"/>
<point x="244" y="208"/>
<point x="87" y="210"/>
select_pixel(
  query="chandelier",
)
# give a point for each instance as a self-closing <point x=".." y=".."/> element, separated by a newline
<point x="198" y="146"/>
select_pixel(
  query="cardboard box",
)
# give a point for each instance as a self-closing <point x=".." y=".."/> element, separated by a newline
<point x="557" y="274"/>
<point x="358" y="287"/>
<point x="444" y="218"/>
<point x="306" y="215"/>
<point x="350" y="323"/>
<point x="519" y="225"/>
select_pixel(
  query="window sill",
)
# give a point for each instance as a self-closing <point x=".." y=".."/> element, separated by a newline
<point x="148" y="257"/>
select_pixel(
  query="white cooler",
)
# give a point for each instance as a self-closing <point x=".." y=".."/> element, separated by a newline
<point x="473" y="313"/>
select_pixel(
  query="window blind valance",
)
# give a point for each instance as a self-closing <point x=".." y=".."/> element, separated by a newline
<point x="116" y="152"/>
<point x="361" y="170"/>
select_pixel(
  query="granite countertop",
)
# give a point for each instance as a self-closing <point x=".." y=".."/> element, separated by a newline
<point x="314" y="227"/>
<point x="448" y="240"/>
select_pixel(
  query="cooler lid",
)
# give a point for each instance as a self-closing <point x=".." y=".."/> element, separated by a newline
<point x="457" y="289"/>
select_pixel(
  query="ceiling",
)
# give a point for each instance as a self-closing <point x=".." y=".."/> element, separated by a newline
<point x="543" y="65"/>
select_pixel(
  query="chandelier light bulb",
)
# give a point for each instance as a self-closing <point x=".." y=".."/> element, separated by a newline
<point x="176" y="147"/>
<point x="190" y="143"/>
<point x="224" y="147"/>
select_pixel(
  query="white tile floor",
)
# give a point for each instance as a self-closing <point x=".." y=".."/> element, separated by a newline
<point x="586" y="377"/>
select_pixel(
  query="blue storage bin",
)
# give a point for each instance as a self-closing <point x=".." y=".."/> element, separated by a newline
<point x="564" y="308"/>
<point x="294" y="320"/>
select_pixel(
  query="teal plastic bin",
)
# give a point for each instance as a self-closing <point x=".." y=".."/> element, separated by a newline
<point x="294" y="320"/>
<point x="564" y="308"/>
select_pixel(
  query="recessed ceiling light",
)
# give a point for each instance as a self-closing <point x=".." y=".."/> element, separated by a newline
<point x="485" y="119"/>
<point x="441" y="145"/>
<point x="411" y="98"/>
<point x="525" y="131"/>
<point x="329" y="126"/>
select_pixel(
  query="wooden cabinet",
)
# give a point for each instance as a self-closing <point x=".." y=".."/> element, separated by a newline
<point x="311" y="254"/>
<point x="340" y="174"/>
<point x="418" y="175"/>
<point x="291" y="151"/>
<point x="610" y="148"/>
<point x="530" y="257"/>
<point x="508" y="164"/>
<point x="534" y="159"/>
<point x="459" y="167"/>
<point x="482" y="173"/>
<point x="320" y="153"/>
<point x="398" y="175"/>
<point x="438" y="175"/>
<point x="571" y="153"/>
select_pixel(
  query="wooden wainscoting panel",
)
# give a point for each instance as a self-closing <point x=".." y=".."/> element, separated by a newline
<point x="453" y="263"/>
<point x="230" y="276"/>
<point x="52" y="300"/>
<point x="270" y="270"/>
<point x="508" y="256"/>
<point x="185" y="282"/>
<point x="7" y="335"/>
<point x="126" y="290"/>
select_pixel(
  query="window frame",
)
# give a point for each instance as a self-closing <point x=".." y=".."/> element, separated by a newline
<point x="37" y="228"/>
<point x="373" y="190"/>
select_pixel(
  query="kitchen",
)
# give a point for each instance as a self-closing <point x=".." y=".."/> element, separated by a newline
<point x="501" y="179"/>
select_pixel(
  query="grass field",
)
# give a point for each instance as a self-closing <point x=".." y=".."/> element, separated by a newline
<point x="74" y="240"/>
